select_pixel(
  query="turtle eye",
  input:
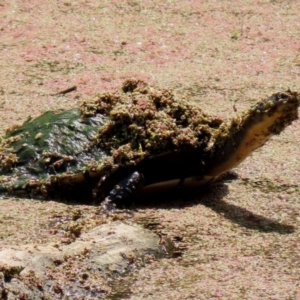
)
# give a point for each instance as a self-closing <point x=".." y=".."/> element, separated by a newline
<point x="280" y="96"/>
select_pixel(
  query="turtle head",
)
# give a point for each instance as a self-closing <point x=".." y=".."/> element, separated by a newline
<point x="243" y="135"/>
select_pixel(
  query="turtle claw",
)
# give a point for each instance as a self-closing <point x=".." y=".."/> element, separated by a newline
<point x="108" y="206"/>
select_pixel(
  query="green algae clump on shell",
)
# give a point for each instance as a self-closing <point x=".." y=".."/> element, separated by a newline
<point x="147" y="122"/>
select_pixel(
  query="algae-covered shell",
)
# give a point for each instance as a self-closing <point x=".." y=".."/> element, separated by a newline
<point x="65" y="151"/>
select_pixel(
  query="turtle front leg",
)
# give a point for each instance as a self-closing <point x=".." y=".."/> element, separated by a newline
<point x="125" y="189"/>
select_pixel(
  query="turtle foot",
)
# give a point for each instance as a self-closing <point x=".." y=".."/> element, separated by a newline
<point x="108" y="206"/>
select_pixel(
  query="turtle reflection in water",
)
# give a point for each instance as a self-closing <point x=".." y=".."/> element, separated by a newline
<point x="135" y="141"/>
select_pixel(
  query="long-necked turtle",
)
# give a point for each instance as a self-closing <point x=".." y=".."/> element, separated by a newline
<point x="137" y="140"/>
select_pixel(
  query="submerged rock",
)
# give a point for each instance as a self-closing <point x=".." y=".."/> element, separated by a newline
<point x="79" y="269"/>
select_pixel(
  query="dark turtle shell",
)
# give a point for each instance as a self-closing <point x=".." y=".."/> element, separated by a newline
<point x="66" y="153"/>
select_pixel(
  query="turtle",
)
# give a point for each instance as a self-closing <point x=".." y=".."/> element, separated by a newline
<point x="134" y="142"/>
